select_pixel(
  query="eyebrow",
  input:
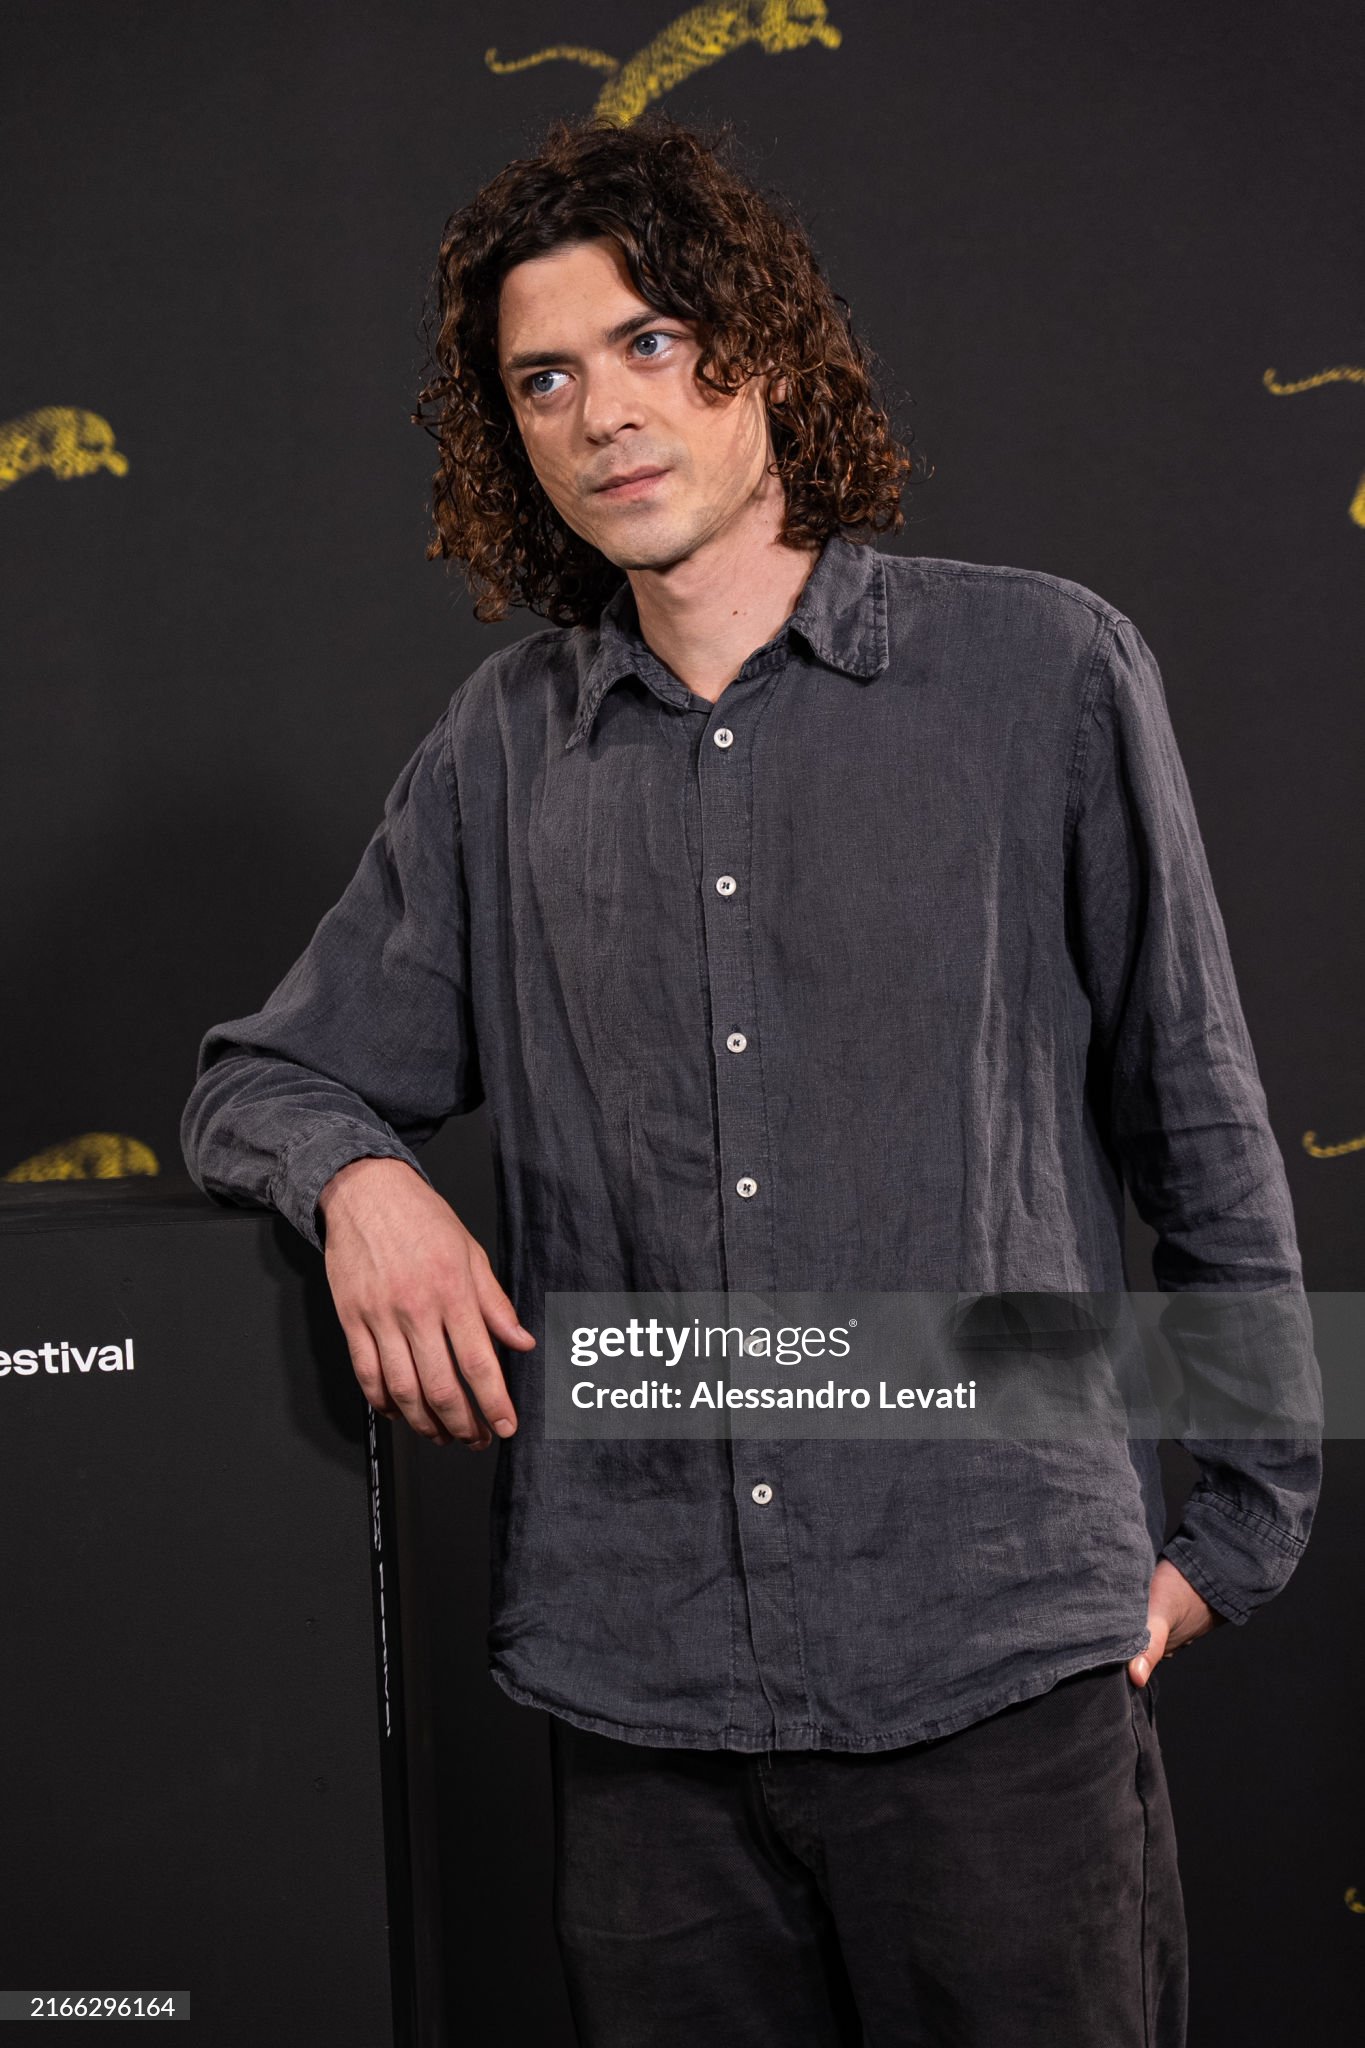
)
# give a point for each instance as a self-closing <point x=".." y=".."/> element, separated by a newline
<point x="538" y="358"/>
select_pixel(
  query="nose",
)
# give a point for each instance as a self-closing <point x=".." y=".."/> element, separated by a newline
<point x="610" y="402"/>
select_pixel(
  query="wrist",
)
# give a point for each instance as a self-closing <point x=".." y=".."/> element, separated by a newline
<point x="347" y="1177"/>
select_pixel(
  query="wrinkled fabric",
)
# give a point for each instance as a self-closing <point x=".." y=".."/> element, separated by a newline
<point x="964" y="972"/>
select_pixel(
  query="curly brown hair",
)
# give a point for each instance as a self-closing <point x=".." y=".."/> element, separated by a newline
<point x="701" y="243"/>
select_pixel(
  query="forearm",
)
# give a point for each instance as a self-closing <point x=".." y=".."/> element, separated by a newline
<point x="1178" y="1092"/>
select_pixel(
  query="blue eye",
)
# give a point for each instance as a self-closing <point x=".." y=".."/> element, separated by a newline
<point x="648" y="334"/>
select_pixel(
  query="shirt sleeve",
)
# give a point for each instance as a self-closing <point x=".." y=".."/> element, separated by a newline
<point x="367" y="1045"/>
<point x="1180" y="1100"/>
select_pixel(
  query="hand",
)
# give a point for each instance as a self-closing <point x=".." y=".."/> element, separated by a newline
<point x="1176" y="1614"/>
<point x="410" y="1284"/>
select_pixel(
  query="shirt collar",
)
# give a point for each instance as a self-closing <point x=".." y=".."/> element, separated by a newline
<point x="841" y="615"/>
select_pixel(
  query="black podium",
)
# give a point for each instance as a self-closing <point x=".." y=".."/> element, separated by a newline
<point x="205" y="1778"/>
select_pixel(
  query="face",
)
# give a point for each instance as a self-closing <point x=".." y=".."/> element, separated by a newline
<point x="600" y="385"/>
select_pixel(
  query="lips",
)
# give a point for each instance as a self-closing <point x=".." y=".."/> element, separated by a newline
<point x="634" y="476"/>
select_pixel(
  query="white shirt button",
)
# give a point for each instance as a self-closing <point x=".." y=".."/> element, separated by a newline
<point x="747" y="1186"/>
<point x="736" y="1041"/>
<point x="726" y="885"/>
<point x="762" y="1493"/>
<point x="722" y="736"/>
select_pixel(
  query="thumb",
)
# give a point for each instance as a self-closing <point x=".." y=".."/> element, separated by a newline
<point x="1140" y="1669"/>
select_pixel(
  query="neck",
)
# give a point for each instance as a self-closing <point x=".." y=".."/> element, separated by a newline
<point x="704" y="616"/>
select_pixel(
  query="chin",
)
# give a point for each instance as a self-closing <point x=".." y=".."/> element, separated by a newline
<point x="642" y="551"/>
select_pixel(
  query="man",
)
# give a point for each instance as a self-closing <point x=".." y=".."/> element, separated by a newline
<point x="806" y="918"/>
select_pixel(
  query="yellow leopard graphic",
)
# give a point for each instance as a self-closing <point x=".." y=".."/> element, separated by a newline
<point x="1343" y="373"/>
<point x="1317" y="1151"/>
<point x="700" y="37"/>
<point x="94" y="1155"/>
<point x="63" y="438"/>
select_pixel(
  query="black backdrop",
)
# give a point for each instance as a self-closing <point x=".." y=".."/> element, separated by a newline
<point x="1090" y="247"/>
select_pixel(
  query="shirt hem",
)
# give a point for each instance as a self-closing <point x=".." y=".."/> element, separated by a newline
<point x="811" y="1735"/>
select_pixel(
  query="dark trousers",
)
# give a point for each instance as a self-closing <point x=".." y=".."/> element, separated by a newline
<point x="1013" y="1885"/>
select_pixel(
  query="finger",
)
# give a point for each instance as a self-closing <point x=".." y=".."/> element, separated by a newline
<point x="478" y="1362"/>
<point x="494" y="1304"/>
<point x="1142" y="1666"/>
<point x="442" y="1391"/>
<point x="369" y="1372"/>
<point x="404" y="1385"/>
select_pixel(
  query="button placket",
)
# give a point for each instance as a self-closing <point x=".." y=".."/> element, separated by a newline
<point x="726" y="795"/>
<point x="726" y="780"/>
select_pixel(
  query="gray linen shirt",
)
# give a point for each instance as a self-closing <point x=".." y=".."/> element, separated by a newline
<point x="880" y="972"/>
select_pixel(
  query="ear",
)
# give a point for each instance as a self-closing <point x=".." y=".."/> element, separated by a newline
<point x="777" y="391"/>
